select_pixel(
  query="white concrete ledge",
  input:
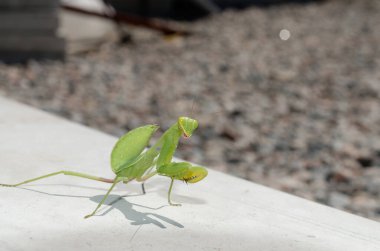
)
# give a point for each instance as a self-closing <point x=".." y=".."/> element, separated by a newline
<point x="220" y="213"/>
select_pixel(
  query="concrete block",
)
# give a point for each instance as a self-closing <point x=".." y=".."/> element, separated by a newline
<point x="32" y="22"/>
<point x="15" y="49"/>
<point x="28" y="4"/>
<point x="85" y="33"/>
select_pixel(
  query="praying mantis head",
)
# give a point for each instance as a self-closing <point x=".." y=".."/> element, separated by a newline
<point x="187" y="126"/>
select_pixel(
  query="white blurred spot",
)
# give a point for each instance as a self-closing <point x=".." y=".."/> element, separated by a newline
<point x="284" y="34"/>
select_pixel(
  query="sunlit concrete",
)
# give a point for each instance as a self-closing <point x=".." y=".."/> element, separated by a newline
<point x="220" y="213"/>
<point x="84" y="32"/>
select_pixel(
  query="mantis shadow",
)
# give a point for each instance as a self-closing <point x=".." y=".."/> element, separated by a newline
<point x="118" y="202"/>
<point x="136" y="217"/>
<point x="161" y="190"/>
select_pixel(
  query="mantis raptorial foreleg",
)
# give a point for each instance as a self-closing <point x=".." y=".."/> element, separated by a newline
<point x="81" y="175"/>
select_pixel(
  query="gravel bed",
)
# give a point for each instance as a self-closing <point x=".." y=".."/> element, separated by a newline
<point x="301" y="115"/>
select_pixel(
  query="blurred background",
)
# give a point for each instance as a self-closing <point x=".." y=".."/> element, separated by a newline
<point x="287" y="93"/>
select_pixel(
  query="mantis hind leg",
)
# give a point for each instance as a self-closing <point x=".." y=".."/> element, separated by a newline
<point x="81" y="175"/>
<point x="104" y="198"/>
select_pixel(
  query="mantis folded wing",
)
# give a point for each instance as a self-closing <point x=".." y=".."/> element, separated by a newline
<point x="130" y="162"/>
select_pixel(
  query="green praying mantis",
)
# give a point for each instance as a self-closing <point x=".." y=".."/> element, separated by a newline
<point x="130" y="162"/>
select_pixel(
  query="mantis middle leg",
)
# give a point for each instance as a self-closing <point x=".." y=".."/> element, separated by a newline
<point x="169" y="193"/>
<point x="144" y="178"/>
